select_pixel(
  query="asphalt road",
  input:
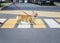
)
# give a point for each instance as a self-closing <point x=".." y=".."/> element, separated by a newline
<point x="7" y="16"/>
<point x="18" y="35"/>
<point x="29" y="35"/>
<point x="28" y="6"/>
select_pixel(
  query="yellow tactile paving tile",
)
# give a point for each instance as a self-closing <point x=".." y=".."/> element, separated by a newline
<point x="39" y="24"/>
<point x="58" y="20"/>
<point x="10" y="23"/>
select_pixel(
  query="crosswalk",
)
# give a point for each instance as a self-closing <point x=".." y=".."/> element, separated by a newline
<point x="39" y="23"/>
<point x="2" y="20"/>
<point x="10" y="23"/>
<point x="58" y="20"/>
<point x="51" y="23"/>
<point x="24" y="25"/>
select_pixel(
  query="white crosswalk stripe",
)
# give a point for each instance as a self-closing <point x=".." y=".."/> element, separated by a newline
<point x="24" y="25"/>
<point x="52" y="23"/>
<point x="2" y="20"/>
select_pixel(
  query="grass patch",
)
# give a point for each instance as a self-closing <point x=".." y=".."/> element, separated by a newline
<point x="1" y="5"/>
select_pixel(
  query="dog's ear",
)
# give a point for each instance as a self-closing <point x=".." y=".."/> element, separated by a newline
<point x="34" y="14"/>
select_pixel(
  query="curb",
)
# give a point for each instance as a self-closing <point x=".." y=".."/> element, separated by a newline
<point x="58" y="4"/>
<point x="0" y="8"/>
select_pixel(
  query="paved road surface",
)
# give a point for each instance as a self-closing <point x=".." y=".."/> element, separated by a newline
<point x="30" y="35"/>
<point x="27" y="6"/>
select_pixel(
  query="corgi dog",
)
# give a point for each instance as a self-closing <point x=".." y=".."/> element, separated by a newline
<point x="27" y="18"/>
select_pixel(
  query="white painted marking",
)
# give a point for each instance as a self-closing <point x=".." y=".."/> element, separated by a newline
<point x="52" y="23"/>
<point x="3" y="20"/>
<point x="24" y="25"/>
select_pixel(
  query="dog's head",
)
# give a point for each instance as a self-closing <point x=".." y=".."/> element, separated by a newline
<point x="34" y="14"/>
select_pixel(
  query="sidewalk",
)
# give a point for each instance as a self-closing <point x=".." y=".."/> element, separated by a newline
<point x="5" y="4"/>
<point x="0" y="8"/>
<point x="40" y="13"/>
<point x="56" y="3"/>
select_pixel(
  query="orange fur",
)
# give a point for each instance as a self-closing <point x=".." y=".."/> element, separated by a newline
<point x="27" y="18"/>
